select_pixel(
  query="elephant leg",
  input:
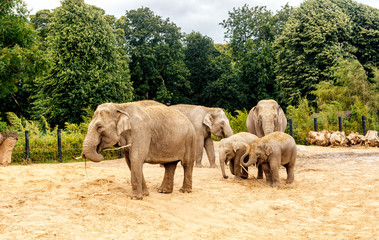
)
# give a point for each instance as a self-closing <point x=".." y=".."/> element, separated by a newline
<point x="210" y="150"/>
<point x="244" y="174"/>
<point x="199" y="151"/>
<point x="144" y="186"/>
<point x="168" y="180"/>
<point x="290" y="173"/>
<point x="137" y="181"/>
<point x="274" y="168"/>
<point x="266" y="169"/>
<point x="237" y="170"/>
<point x="231" y="166"/>
<point x="260" y="172"/>
<point x="187" y="181"/>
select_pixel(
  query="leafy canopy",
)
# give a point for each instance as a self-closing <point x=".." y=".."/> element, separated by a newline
<point x="88" y="68"/>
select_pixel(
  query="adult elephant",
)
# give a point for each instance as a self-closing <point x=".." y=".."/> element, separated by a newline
<point x="266" y="117"/>
<point x="153" y="132"/>
<point x="206" y="121"/>
<point x="230" y="151"/>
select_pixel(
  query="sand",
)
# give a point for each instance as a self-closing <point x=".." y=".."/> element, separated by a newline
<point x="335" y="196"/>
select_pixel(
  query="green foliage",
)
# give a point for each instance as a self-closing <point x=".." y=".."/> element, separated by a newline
<point x="238" y="121"/>
<point x="251" y="32"/>
<point x="213" y="79"/>
<point x="301" y="119"/>
<point x="156" y="58"/>
<point x="88" y="68"/>
<point x="365" y="32"/>
<point x="316" y="37"/>
<point x="20" y="59"/>
<point x="44" y="144"/>
<point x="3" y="126"/>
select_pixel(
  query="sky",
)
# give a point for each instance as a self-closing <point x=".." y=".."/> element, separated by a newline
<point x="201" y="16"/>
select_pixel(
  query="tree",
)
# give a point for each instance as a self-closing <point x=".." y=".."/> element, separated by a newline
<point x="314" y="38"/>
<point x="207" y="66"/>
<point x="40" y="21"/>
<point x="20" y="59"/>
<point x="156" y="56"/>
<point x="251" y="32"/>
<point x="365" y="33"/>
<point x="88" y="68"/>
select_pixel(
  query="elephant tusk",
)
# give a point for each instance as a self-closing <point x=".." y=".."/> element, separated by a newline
<point x="112" y="149"/>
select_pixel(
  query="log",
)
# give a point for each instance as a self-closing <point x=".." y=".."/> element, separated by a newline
<point x="320" y="138"/>
<point x="355" y="138"/>
<point x="7" y="142"/>
<point x="371" y="139"/>
<point x="338" y="139"/>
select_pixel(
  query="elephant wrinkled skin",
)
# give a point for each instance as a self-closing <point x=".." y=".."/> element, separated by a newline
<point x="270" y="152"/>
<point x="206" y="121"/>
<point x="155" y="134"/>
<point x="230" y="151"/>
<point x="266" y="117"/>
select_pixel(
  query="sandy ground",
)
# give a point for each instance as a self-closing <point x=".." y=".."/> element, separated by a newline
<point x="335" y="196"/>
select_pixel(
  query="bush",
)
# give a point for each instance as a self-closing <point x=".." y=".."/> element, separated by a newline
<point x="238" y="121"/>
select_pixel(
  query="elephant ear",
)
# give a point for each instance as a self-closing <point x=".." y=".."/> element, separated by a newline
<point x="268" y="149"/>
<point x="282" y="121"/>
<point x="235" y="146"/>
<point x="123" y="123"/>
<point x="208" y="120"/>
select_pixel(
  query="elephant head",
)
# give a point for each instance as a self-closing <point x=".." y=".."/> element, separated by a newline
<point x="229" y="151"/>
<point x="105" y="130"/>
<point x="218" y="123"/>
<point x="268" y="117"/>
<point x="257" y="154"/>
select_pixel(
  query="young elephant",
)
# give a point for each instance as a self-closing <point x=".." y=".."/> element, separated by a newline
<point x="231" y="149"/>
<point x="270" y="152"/>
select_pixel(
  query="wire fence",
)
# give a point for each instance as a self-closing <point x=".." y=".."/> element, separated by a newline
<point x="60" y="146"/>
<point x="65" y="146"/>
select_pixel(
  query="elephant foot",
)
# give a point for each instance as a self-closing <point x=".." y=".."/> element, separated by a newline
<point x="146" y="193"/>
<point x="213" y="165"/>
<point x="289" y="181"/>
<point x="275" y="184"/>
<point x="259" y="177"/>
<point x="134" y="196"/>
<point x="165" y="190"/>
<point x="185" y="190"/>
<point x="237" y="178"/>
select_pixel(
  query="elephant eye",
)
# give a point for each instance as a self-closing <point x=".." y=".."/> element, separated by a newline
<point x="99" y="127"/>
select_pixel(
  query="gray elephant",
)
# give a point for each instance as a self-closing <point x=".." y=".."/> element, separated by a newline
<point x="206" y="121"/>
<point x="266" y="117"/>
<point x="270" y="152"/>
<point x="230" y="151"/>
<point x="153" y="132"/>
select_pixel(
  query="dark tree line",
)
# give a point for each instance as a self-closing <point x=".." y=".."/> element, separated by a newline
<point x="55" y="64"/>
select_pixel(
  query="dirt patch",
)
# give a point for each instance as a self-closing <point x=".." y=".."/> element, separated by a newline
<point x="335" y="196"/>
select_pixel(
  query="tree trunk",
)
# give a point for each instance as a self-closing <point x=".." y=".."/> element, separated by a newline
<point x="7" y="142"/>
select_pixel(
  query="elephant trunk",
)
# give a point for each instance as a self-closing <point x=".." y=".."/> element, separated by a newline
<point x="228" y="131"/>
<point x="90" y="148"/>
<point x="222" y="158"/>
<point x="268" y="126"/>
<point x="250" y="162"/>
